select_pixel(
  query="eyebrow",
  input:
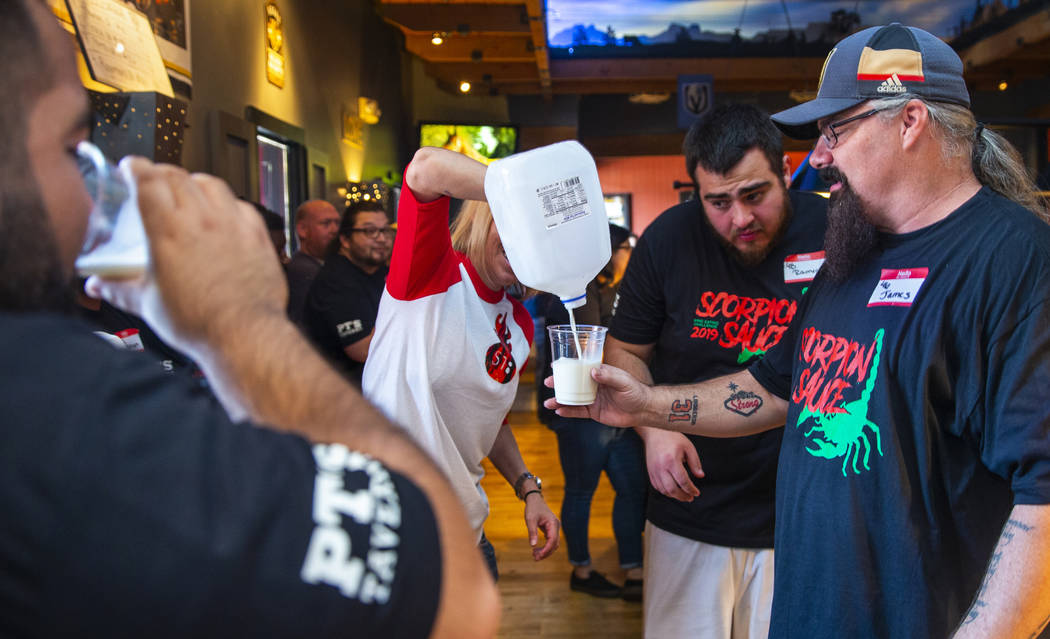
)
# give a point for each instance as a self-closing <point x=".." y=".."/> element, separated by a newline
<point x="750" y="188"/>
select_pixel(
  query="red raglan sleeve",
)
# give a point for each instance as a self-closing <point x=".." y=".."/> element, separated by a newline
<point x="423" y="262"/>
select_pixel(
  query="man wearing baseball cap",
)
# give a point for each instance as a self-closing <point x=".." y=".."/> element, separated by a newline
<point x="914" y="477"/>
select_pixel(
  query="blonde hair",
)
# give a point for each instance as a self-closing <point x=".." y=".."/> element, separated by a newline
<point x="470" y="230"/>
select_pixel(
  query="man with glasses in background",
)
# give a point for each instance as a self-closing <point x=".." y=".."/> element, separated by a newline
<point x="341" y="307"/>
<point x="913" y="489"/>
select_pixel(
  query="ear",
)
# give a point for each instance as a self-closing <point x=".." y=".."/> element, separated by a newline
<point x="915" y="119"/>
<point x="344" y="242"/>
<point x="786" y="168"/>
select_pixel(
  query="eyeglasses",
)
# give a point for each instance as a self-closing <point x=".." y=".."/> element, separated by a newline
<point x="373" y="232"/>
<point x="829" y="133"/>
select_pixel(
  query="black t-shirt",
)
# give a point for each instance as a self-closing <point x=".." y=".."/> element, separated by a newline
<point x="300" y="272"/>
<point x="132" y="507"/>
<point x="341" y="309"/>
<point x="137" y="336"/>
<point x="709" y="316"/>
<point x="918" y="417"/>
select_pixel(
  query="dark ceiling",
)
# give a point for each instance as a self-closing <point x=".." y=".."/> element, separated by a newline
<point x="500" y="46"/>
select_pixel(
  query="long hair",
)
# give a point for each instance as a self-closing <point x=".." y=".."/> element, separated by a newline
<point x="470" y="230"/>
<point x="995" y="162"/>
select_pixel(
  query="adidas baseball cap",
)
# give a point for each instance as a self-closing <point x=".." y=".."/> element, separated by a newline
<point x="879" y="62"/>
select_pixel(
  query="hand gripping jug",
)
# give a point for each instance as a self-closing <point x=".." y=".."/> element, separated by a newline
<point x="550" y="215"/>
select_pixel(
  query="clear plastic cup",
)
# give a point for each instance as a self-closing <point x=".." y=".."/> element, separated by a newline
<point x="115" y="244"/>
<point x="573" y="385"/>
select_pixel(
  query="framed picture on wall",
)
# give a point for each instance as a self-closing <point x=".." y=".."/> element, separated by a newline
<point x="618" y="208"/>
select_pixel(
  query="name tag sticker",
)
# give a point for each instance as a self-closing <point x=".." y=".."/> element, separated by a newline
<point x="898" y="287"/>
<point x="802" y="267"/>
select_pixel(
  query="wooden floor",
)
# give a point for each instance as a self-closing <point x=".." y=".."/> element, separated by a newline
<point x="537" y="601"/>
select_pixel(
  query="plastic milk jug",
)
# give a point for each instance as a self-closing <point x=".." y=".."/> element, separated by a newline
<point x="550" y="215"/>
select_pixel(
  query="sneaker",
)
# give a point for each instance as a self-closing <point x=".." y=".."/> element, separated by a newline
<point x="632" y="590"/>
<point x="596" y="585"/>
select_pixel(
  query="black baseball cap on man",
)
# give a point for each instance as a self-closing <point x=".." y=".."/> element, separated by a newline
<point x="879" y="62"/>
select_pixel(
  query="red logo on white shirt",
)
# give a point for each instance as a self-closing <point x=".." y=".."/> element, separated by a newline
<point x="499" y="362"/>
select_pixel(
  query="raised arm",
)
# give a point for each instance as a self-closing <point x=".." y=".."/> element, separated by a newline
<point x="699" y="409"/>
<point x="216" y="292"/>
<point x="434" y="172"/>
<point x="1014" y="599"/>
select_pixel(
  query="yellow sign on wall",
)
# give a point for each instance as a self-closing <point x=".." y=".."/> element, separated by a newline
<point x="274" y="45"/>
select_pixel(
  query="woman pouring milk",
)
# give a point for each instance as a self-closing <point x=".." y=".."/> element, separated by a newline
<point x="450" y="342"/>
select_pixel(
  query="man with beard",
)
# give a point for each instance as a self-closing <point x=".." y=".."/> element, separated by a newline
<point x="341" y="307"/>
<point x="713" y="284"/>
<point x="132" y="505"/>
<point x="914" y="478"/>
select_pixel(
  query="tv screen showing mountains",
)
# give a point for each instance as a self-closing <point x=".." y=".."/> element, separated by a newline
<point x="723" y="28"/>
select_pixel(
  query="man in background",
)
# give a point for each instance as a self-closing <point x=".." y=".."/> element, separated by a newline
<point x="712" y="284"/>
<point x="316" y="223"/>
<point x="132" y="505"/>
<point x="342" y="304"/>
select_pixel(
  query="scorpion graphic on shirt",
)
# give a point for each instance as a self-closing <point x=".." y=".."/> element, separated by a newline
<point x="848" y="432"/>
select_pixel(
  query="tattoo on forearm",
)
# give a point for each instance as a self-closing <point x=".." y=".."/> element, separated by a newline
<point x="683" y="410"/>
<point x="1010" y="530"/>
<point x="742" y="402"/>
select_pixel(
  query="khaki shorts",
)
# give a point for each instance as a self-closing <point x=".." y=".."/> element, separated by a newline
<point x="693" y="589"/>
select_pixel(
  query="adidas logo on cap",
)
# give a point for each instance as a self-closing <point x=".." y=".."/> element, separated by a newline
<point x="892" y="84"/>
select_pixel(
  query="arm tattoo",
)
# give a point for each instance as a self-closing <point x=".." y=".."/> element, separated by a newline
<point x="1010" y="530"/>
<point x="683" y="410"/>
<point x="742" y="402"/>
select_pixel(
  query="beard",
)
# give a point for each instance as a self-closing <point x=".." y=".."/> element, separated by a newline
<point x="32" y="277"/>
<point x="751" y="259"/>
<point x="850" y="235"/>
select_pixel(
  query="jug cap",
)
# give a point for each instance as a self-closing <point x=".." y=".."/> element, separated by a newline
<point x="575" y="301"/>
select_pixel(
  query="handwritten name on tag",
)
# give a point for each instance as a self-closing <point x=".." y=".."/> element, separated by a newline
<point x="898" y="287"/>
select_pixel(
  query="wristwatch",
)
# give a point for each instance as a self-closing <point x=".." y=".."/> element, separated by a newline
<point x="521" y="481"/>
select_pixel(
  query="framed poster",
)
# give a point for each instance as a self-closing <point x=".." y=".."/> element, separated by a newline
<point x="170" y="23"/>
<point x="119" y="46"/>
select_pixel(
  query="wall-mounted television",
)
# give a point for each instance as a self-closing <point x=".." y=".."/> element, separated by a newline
<point x="482" y="142"/>
<point x="763" y="28"/>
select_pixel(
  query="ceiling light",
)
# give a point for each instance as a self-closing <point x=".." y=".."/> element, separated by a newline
<point x="464" y="87"/>
<point x="648" y="98"/>
<point x="437" y="38"/>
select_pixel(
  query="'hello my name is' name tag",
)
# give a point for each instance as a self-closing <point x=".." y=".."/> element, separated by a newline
<point x="898" y="287"/>
<point x="802" y="267"/>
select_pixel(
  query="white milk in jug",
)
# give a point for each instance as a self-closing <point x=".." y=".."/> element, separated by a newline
<point x="550" y="215"/>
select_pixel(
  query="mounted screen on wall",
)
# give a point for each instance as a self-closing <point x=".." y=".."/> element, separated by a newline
<point x="482" y="142"/>
<point x="760" y="28"/>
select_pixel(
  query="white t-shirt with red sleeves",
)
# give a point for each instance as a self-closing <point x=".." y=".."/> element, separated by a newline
<point x="447" y="351"/>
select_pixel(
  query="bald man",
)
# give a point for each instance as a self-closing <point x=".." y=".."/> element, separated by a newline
<point x="316" y="224"/>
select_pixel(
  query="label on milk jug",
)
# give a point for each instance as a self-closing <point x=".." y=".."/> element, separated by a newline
<point x="562" y="201"/>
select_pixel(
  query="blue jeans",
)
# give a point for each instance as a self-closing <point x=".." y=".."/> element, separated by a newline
<point x="586" y="448"/>
<point x="488" y="553"/>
